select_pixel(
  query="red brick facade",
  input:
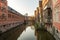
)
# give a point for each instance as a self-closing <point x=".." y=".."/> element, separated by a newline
<point x="3" y="10"/>
<point x="9" y="15"/>
<point x="56" y="14"/>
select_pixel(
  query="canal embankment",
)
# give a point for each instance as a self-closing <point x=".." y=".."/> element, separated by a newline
<point x="13" y="33"/>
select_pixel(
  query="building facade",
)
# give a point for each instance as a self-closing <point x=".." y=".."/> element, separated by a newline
<point x="47" y="13"/>
<point x="56" y="17"/>
<point x="3" y="10"/>
<point x="9" y="18"/>
<point x="51" y="17"/>
<point x="38" y="12"/>
<point x="37" y="17"/>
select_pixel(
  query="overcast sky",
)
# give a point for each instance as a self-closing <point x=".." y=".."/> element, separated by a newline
<point x="24" y="6"/>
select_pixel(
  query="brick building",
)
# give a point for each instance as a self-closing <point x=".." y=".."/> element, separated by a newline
<point x="37" y="16"/>
<point x="3" y="10"/>
<point x="51" y="17"/>
<point x="9" y="18"/>
<point x="56" y="18"/>
<point x="47" y="12"/>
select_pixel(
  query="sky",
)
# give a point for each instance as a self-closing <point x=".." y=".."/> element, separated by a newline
<point x="24" y="6"/>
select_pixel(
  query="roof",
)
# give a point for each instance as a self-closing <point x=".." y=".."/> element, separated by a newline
<point x="14" y="11"/>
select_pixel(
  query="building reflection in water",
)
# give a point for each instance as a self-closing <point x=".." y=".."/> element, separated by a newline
<point x="23" y="32"/>
<point x="31" y="34"/>
<point x="27" y="34"/>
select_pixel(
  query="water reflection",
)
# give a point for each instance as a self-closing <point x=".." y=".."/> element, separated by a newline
<point x="27" y="34"/>
<point x="19" y="33"/>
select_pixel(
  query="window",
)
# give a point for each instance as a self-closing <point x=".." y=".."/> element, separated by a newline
<point x="49" y="12"/>
<point x="3" y="16"/>
<point x="2" y="8"/>
<point x="3" y="0"/>
<point x="9" y="15"/>
<point x="57" y="31"/>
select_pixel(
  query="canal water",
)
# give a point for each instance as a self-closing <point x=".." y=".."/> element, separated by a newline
<point x="28" y="34"/>
<point x="31" y="34"/>
<point x="23" y="32"/>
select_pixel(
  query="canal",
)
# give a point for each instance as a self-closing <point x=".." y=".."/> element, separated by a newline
<point x="23" y="32"/>
<point x="31" y="34"/>
<point x="27" y="34"/>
